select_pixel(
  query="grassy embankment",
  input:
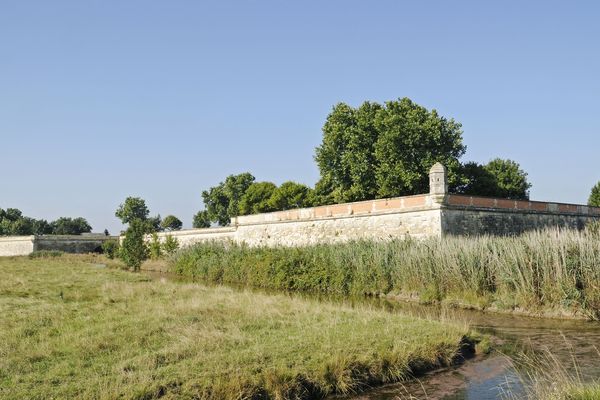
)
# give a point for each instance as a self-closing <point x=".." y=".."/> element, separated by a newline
<point x="556" y="273"/>
<point x="70" y="329"/>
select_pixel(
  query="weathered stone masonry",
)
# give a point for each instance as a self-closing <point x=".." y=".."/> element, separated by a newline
<point x="436" y="214"/>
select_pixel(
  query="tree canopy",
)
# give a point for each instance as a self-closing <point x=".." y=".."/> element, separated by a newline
<point x="132" y="208"/>
<point x="498" y="178"/>
<point x="201" y="219"/>
<point x="171" y="223"/>
<point x="13" y="222"/>
<point x="594" y="199"/>
<point x="70" y="226"/>
<point x="222" y="201"/>
<point x="256" y="198"/>
<point x="376" y="151"/>
<point x="291" y="195"/>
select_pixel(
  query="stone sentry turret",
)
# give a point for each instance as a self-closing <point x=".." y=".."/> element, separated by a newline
<point x="438" y="182"/>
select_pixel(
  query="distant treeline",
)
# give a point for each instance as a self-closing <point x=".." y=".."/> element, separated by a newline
<point x="14" y="223"/>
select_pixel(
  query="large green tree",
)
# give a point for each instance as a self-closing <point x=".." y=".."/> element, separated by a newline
<point x="222" y="201"/>
<point x="376" y="151"/>
<point x="594" y="199"/>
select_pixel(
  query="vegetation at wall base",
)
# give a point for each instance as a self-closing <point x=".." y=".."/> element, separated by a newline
<point x="551" y="272"/>
<point x="71" y="330"/>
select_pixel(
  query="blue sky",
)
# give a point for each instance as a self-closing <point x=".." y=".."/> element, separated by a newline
<point x="162" y="99"/>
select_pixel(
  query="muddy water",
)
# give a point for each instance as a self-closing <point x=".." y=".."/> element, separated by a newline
<point x="485" y="377"/>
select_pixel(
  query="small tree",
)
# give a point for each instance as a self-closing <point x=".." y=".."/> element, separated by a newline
<point x="171" y="223"/>
<point x="170" y="245"/>
<point x="201" y="220"/>
<point x="133" y="250"/>
<point x="155" y="247"/>
<point x="110" y="248"/>
<point x="132" y="208"/>
<point x="594" y="199"/>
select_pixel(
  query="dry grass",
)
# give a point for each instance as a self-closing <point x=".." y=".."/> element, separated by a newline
<point x="70" y="329"/>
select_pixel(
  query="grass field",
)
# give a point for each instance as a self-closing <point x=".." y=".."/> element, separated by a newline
<point x="553" y="272"/>
<point x="72" y="329"/>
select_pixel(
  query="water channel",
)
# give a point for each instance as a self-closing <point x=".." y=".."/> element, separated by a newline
<point x="484" y="377"/>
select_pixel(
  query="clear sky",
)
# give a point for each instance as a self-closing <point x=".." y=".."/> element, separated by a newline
<point x="162" y="99"/>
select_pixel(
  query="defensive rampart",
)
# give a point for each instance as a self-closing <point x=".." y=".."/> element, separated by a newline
<point x="430" y="215"/>
<point x="435" y="214"/>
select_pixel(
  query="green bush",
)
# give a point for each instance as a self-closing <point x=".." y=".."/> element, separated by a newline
<point x="170" y="245"/>
<point x="155" y="247"/>
<point x="554" y="269"/>
<point x="46" y="254"/>
<point x="110" y="248"/>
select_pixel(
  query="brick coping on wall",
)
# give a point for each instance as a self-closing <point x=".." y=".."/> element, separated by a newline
<point x="343" y="210"/>
<point x="464" y="201"/>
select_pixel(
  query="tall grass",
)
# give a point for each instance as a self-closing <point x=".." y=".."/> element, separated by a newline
<point x="554" y="271"/>
<point x="543" y="376"/>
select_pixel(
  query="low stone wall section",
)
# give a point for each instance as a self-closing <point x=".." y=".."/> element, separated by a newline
<point x="16" y="245"/>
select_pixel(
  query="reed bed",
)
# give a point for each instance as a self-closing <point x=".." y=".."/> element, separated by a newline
<point x="555" y="271"/>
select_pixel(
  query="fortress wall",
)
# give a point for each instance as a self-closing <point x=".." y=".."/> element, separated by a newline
<point x="414" y="216"/>
<point x="470" y="216"/>
<point x="16" y="245"/>
<point x="188" y="237"/>
<point x="384" y="226"/>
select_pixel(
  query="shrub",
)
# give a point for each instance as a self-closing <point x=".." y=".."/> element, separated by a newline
<point x="110" y="248"/>
<point x="170" y="245"/>
<point x="155" y="247"/>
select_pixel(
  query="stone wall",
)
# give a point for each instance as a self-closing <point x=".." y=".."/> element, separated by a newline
<point x="411" y="216"/>
<point x="71" y="243"/>
<point x="16" y="245"/>
<point x="469" y="215"/>
<point x="24" y="245"/>
<point x="429" y="215"/>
